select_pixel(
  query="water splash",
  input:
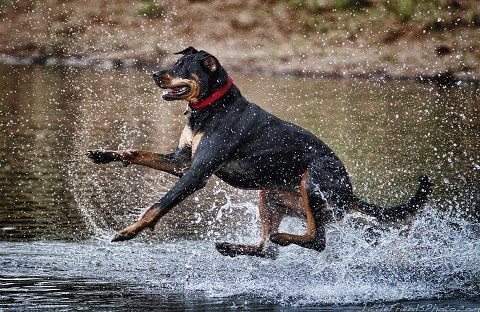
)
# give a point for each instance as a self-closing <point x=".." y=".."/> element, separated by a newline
<point x="436" y="256"/>
<point x="439" y="257"/>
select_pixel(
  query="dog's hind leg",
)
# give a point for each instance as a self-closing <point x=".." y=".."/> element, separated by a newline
<point x="314" y="208"/>
<point x="272" y="208"/>
<point x="175" y="163"/>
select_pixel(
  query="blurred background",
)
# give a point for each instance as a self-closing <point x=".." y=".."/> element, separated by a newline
<point x="346" y="37"/>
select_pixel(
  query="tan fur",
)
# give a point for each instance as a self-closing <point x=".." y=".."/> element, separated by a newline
<point x="188" y="138"/>
<point x="210" y="63"/>
<point x="285" y="239"/>
<point x="195" y="141"/>
<point x="191" y="97"/>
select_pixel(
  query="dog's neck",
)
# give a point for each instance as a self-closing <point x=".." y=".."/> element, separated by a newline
<point x="199" y="117"/>
<point x="212" y="98"/>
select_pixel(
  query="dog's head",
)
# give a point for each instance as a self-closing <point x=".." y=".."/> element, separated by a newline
<point x="195" y="76"/>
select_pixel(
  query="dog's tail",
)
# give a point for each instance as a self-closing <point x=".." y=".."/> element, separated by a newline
<point x="401" y="212"/>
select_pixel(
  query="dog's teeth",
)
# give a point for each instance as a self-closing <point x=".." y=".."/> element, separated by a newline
<point x="164" y="92"/>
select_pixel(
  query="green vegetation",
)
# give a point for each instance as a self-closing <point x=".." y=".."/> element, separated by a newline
<point x="473" y="18"/>
<point x="311" y="6"/>
<point x="403" y="10"/>
<point x="151" y="9"/>
<point x="350" y="4"/>
<point x="3" y="6"/>
<point x="315" y="7"/>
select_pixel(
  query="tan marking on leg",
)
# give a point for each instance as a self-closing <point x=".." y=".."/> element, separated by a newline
<point x="290" y="200"/>
<point x="285" y="239"/>
<point x="147" y="219"/>
<point x="264" y="219"/>
<point x="270" y="216"/>
<point x="155" y="161"/>
<point x="311" y="227"/>
<point x="143" y="158"/>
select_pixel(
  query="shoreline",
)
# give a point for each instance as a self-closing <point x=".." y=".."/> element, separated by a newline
<point x="441" y="78"/>
<point x="432" y="42"/>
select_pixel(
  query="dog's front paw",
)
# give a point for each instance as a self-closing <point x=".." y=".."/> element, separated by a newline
<point x="279" y="239"/>
<point x="123" y="236"/>
<point x="103" y="156"/>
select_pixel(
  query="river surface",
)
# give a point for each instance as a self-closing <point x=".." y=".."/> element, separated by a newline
<point x="58" y="211"/>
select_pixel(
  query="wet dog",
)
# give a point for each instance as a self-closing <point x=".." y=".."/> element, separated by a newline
<point x="248" y="148"/>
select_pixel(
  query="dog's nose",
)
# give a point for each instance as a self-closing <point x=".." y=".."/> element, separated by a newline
<point x="156" y="75"/>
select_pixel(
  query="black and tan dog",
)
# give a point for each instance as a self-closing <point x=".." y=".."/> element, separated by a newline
<point x="248" y="148"/>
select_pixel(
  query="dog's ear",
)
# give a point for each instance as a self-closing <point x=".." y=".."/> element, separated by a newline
<point x="187" y="51"/>
<point x="209" y="61"/>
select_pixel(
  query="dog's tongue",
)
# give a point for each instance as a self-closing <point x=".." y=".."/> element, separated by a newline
<point x="175" y="89"/>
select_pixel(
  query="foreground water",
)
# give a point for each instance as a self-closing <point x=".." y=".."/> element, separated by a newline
<point x="58" y="211"/>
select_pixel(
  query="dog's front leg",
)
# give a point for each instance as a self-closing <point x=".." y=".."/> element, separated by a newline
<point x="194" y="179"/>
<point x="211" y="153"/>
<point x="148" y="219"/>
<point x="175" y="163"/>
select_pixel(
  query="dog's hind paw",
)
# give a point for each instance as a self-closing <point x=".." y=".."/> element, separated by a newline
<point x="226" y="249"/>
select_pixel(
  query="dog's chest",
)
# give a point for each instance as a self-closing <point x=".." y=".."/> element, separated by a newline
<point x="190" y="139"/>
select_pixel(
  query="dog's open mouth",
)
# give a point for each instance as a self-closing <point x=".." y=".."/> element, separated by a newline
<point x="175" y="92"/>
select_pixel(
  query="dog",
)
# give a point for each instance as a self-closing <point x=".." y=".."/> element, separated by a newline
<point x="249" y="148"/>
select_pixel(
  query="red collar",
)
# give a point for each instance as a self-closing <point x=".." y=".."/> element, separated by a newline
<point x="214" y="97"/>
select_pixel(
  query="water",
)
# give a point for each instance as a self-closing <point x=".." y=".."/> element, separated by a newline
<point x="58" y="211"/>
